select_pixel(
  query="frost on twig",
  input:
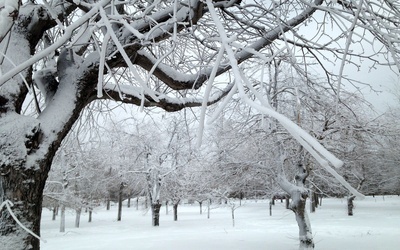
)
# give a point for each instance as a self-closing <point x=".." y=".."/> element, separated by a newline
<point x="8" y="204"/>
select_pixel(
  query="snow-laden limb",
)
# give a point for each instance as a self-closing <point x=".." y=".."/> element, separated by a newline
<point x="103" y="51"/>
<point x="59" y="43"/>
<point x="132" y="94"/>
<point x="8" y="12"/>
<point x="322" y="155"/>
<point x="8" y="204"/>
<point x="207" y="96"/>
<point x="346" y="50"/>
<point x="146" y="89"/>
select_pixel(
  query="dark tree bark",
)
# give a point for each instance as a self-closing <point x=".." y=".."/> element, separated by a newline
<point x="78" y="217"/>
<point x="155" y="211"/>
<point x="270" y="208"/>
<point x="55" y="211"/>
<point x="287" y="201"/>
<point x="120" y="196"/>
<point x="90" y="214"/>
<point x="175" y="207"/>
<point x="350" y="205"/>
<point x="201" y="206"/>
<point x="108" y="205"/>
<point x="350" y="200"/>
<point x="312" y="201"/>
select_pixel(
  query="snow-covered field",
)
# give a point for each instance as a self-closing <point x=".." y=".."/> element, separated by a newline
<point x="374" y="226"/>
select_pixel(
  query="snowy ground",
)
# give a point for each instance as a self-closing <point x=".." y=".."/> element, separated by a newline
<point x="374" y="226"/>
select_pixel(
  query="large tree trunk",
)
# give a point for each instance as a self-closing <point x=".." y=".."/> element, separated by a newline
<point x="298" y="206"/>
<point x="299" y="194"/>
<point x="24" y="188"/>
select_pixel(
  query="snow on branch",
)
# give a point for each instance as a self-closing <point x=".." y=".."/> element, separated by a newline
<point x="322" y="155"/>
<point x="8" y="13"/>
<point x="132" y="94"/>
<point x="68" y="32"/>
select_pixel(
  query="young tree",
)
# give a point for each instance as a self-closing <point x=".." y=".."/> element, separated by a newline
<point x="152" y="54"/>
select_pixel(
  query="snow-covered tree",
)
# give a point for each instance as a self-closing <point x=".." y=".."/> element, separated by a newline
<point x="63" y="55"/>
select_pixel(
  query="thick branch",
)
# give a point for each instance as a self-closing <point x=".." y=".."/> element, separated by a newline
<point x="174" y="79"/>
<point x="122" y="94"/>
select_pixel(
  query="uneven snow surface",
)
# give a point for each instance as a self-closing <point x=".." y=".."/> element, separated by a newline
<point x="374" y="226"/>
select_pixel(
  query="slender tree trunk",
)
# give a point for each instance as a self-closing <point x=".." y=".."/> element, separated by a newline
<point x="350" y="205"/>
<point x="129" y="202"/>
<point x="62" y="219"/>
<point x="90" y="214"/>
<point x="208" y="208"/>
<point x="121" y="188"/>
<point x="166" y="207"/>
<point x="108" y="204"/>
<point x="176" y="211"/>
<point x="287" y="201"/>
<point x="55" y="208"/>
<point x="201" y="207"/>
<point x="137" y="203"/>
<point x="78" y="217"/>
<point x="233" y="216"/>
<point x="312" y="201"/>
<point x="270" y="208"/>
<point x="155" y="211"/>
